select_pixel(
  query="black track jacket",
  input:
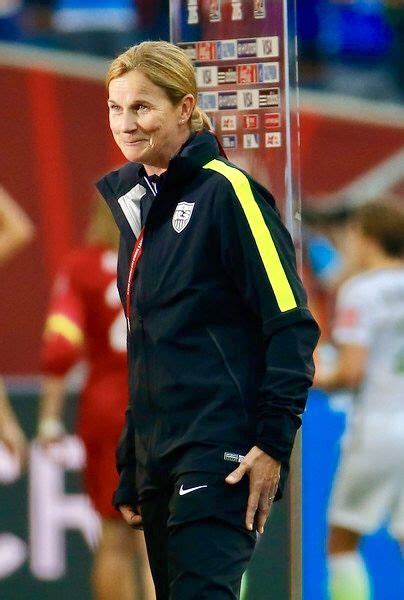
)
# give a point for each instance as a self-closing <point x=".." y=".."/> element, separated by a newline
<point x="221" y="340"/>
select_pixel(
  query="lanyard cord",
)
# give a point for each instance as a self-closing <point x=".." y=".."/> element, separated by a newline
<point x="136" y="254"/>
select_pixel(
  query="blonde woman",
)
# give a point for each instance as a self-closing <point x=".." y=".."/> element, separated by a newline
<point x="220" y="339"/>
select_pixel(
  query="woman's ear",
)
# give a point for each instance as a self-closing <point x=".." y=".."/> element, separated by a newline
<point x="187" y="106"/>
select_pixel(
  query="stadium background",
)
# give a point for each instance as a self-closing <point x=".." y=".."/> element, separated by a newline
<point x="55" y="143"/>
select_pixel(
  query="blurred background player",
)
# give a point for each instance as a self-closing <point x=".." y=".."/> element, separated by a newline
<point x="369" y="332"/>
<point x="85" y="320"/>
<point x="16" y="231"/>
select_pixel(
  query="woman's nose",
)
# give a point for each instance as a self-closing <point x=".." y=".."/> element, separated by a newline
<point x="129" y="122"/>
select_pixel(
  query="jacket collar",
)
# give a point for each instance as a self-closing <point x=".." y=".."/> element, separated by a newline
<point x="198" y="150"/>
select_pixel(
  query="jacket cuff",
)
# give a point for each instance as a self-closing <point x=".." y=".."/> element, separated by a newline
<point x="126" y="491"/>
<point x="276" y="433"/>
<point x="288" y="318"/>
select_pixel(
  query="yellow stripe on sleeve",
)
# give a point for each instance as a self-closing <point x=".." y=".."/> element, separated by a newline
<point x="63" y="326"/>
<point x="265" y="244"/>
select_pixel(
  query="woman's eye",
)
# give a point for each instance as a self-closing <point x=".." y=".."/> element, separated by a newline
<point x="142" y="108"/>
<point x="114" y="107"/>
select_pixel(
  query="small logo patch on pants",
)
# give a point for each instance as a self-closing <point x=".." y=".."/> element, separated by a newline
<point x="233" y="457"/>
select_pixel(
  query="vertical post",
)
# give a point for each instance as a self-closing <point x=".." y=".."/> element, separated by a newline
<point x="295" y="519"/>
<point x="294" y="224"/>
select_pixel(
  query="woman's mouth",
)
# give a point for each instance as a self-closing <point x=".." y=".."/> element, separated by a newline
<point x="134" y="142"/>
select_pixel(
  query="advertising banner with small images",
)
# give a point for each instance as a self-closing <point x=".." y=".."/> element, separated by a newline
<point x="240" y="51"/>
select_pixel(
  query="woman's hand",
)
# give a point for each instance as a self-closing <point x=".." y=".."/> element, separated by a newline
<point x="264" y="473"/>
<point x="132" y="516"/>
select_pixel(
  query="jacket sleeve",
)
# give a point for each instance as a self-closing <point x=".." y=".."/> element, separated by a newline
<point x="258" y="254"/>
<point x="126" y="460"/>
<point x="126" y="465"/>
<point x="125" y="452"/>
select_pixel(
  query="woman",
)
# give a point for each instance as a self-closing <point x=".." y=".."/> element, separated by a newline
<point x="85" y="321"/>
<point x="220" y="339"/>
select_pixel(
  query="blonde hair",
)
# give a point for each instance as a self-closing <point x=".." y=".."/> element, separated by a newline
<point x="168" y="67"/>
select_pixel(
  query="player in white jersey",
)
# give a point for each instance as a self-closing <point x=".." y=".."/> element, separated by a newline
<point x="369" y="332"/>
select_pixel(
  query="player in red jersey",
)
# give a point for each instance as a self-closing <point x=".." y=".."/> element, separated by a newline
<point x="85" y="320"/>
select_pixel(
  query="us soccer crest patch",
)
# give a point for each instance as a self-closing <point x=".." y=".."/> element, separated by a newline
<point x="182" y="215"/>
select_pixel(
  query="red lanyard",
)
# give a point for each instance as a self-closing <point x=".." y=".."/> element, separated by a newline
<point x="136" y="254"/>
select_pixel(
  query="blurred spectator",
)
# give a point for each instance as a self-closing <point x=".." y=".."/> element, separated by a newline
<point x="345" y="46"/>
<point x="36" y="21"/>
<point x="308" y="29"/>
<point x="369" y="332"/>
<point x="154" y="19"/>
<point x="86" y="320"/>
<point x="354" y="29"/>
<point x="101" y="27"/>
<point x="352" y="46"/>
<point x="10" y="20"/>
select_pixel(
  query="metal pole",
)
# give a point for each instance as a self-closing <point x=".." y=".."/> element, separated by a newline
<point x="293" y="222"/>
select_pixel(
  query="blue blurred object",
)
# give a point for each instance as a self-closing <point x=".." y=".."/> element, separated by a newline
<point x="325" y="260"/>
<point x="308" y="17"/>
<point x="89" y="15"/>
<point x="357" y="29"/>
<point x="10" y="21"/>
<point x="101" y="27"/>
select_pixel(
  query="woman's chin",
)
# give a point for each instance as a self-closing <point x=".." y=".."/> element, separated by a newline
<point x="132" y="154"/>
<point x="133" y="151"/>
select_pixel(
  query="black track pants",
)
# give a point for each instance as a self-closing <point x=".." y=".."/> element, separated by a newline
<point x="197" y="545"/>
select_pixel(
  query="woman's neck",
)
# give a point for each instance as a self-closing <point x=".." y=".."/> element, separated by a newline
<point x="162" y="168"/>
<point x="150" y="170"/>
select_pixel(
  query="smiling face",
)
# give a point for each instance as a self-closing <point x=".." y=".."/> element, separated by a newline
<point x="146" y="126"/>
